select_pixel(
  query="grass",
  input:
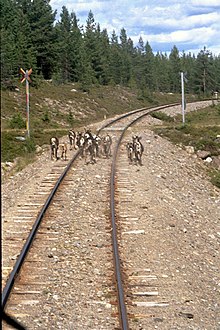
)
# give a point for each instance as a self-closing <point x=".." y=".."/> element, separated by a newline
<point x="215" y="177"/>
<point x="200" y="131"/>
<point x="54" y="109"/>
<point x="12" y="148"/>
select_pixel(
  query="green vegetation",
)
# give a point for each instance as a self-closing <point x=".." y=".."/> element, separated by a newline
<point x="87" y="55"/>
<point x="200" y="131"/>
<point x="80" y="75"/>
<point x="11" y="147"/>
<point x="17" y="121"/>
<point x="215" y="177"/>
<point x="162" y="116"/>
<point x="54" y="109"/>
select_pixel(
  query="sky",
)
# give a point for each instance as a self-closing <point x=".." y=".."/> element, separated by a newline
<point x="190" y="25"/>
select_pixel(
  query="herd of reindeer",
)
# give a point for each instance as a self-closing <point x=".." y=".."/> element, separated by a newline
<point x="92" y="146"/>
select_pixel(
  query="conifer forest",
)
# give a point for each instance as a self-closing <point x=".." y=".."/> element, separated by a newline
<point x="61" y="49"/>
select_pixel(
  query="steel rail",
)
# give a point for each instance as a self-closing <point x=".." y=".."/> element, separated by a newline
<point x="10" y="282"/>
<point x="11" y="321"/>
<point x="133" y="112"/>
<point x="159" y="107"/>
<point x="118" y="272"/>
<point x="16" y="269"/>
<point x="21" y="258"/>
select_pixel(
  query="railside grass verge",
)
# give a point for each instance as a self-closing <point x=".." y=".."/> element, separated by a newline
<point x="201" y="131"/>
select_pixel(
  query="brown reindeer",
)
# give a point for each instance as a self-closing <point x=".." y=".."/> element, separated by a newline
<point x="138" y="149"/>
<point x="106" y="144"/>
<point x="54" y="144"/>
<point x="72" y="139"/>
<point x="63" y="148"/>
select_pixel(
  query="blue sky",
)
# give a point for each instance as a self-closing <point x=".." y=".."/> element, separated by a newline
<point x="188" y="24"/>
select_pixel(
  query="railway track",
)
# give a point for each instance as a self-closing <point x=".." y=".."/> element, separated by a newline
<point x="76" y="238"/>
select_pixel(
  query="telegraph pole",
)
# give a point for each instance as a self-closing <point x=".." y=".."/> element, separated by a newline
<point x="183" y="98"/>
<point x="26" y="76"/>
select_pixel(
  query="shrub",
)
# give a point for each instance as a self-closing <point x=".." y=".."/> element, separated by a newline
<point x="70" y="118"/>
<point x="29" y="145"/>
<point x="45" y="117"/>
<point x="162" y="116"/>
<point x="215" y="178"/>
<point x="17" y="121"/>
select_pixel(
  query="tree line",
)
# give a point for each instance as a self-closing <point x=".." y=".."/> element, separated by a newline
<point x="65" y="51"/>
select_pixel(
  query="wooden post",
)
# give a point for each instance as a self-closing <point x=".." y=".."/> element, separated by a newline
<point x="183" y="101"/>
<point x="26" y="76"/>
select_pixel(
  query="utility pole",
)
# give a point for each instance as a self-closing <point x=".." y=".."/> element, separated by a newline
<point x="183" y="97"/>
<point x="25" y="76"/>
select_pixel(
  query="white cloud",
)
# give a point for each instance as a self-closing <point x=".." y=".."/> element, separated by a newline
<point x="183" y="22"/>
<point x="180" y="36"/>
<point x="206" y="3"/>
<point x="174" y="21"/>
<point x="194" y="20"/>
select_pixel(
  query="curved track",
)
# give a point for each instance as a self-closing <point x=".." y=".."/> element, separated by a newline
<point x="58" y="201"/>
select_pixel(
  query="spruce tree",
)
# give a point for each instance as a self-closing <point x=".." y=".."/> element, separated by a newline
<point x="104" y="57"/>
<point x="41" y="19"/>
<point x="90" y="46"/>
<point x="138" y="67"/>
<point x="114" y="60"/>
<point x="175" y="69"/>
<point x="125" y="58"/>
<point x="204" y="78"/>
<point x="76" y="44"/>
<point x="63" y="35"/>
<point x="149" y="67"/>
<point x="188" y="67"/>
<point x="16" y="46"/>
<point x="216" y="73"/>
<point x="162" y="77"/>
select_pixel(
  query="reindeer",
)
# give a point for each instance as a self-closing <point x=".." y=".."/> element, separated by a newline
<point x="138" y="149"/>
<point x="80" y="139"/>
<point x="54" y="144"/>
<point x="88" y="134"/>
<point x="106" y="143"/>
<point x="98" y="143"/>
<point x="89" y="150"/>
<point x="72" y="139"/>
<point x="130" y="151"/>
<point x="63" y="148"/>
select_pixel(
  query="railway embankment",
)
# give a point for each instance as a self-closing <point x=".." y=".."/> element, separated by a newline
<point x="172" y="216"/>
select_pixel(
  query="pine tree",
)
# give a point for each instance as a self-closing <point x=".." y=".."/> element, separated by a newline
<point x="204" y="80"/>
<point x="90" y="46"/>
<point x="149" y="67"/>
<point x="104" y="57"/>
<point x="125" y="58"/>
<point x="174" y="60"/>
<point x="76" y="44"/>
<point x="65" y="51"/>
<point x="41" y="19"/>
<point x="188" y="67"/>
<point x="216" y="71"/>
<point x="162" y="76"/>
<point x="140" y="46"/>
<point x="114" y="60"/>
<point x="17" y="50"/>
<point x="138" y="67"/>
<point x="64" y="44"/>
<point x="86" y="73"/>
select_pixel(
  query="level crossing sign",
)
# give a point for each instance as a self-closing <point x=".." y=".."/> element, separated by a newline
<point x="26" y="76"/>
